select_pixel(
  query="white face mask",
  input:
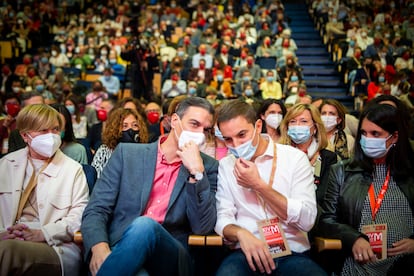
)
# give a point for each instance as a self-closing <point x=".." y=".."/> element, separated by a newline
<point x="273" y="120"/>
<point x="46" y="144"/>
<point x="329" y="121"/>
<point x="186" y="136"/>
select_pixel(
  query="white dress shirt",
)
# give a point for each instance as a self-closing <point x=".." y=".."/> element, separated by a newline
<point x="293" y="178"/>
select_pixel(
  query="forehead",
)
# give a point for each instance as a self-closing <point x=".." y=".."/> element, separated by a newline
<point x="368" y="126"/>
<point x="304" y="115"/>
<point x="328" y="108"/>
<point x="130" y="118"/>
<point x="152" y="106"/>
<point x="274" y="107"/>
<point x="199" y="114"/>
<point x="234" y="126"/>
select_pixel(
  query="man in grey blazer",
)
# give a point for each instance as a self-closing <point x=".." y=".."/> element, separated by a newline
<point x="151" y="197"/>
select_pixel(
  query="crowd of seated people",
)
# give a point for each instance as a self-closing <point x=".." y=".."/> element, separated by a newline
<point x="372" y="42"/>
<point x="81" y="57"/>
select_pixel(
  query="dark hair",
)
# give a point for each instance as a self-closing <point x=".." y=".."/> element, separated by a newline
<point x="400" y="155"/>
<point x="12" y="96"/>
<point x="268" y="102"/>
<point x="135" y="101"/>
<point x="76" y="102"/>
<point x="69" y="136"/>
<point x="28" y="95"/>
<point x="236" y="108"/>
<point x="265" y="106"/>
<point x="183" y="106"/>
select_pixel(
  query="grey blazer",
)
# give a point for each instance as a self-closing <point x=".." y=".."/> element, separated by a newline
<point x="122" y="192"/>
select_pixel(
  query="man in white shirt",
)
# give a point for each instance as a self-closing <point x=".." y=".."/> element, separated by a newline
<point x="260" y="183"/>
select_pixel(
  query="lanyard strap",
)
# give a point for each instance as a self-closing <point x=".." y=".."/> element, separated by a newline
<point x="376" y="203"/>
<point x="30" y="186"/>
<point x="272" y="177"/>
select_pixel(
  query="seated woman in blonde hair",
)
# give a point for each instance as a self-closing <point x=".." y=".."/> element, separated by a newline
<point x="42" y="197"/>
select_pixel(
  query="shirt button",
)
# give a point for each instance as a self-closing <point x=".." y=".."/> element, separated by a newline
<point x="41" y="206"/>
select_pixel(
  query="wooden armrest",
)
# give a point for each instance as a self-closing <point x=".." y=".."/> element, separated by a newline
<point x="327" y="244"/>
<point x="209" y="240"/>
<point x="78" y="238"/>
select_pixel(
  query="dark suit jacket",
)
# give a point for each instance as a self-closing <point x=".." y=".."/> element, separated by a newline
<point x="121" y="194"/>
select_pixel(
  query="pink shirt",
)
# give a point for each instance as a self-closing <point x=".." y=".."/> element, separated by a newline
<point x="164" y="180"/>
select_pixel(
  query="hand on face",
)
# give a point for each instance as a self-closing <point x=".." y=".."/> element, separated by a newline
<point x="247" y="174"/>
<point x="191" y="158"/>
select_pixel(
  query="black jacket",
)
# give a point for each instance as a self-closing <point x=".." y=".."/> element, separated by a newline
<point x="344" y="200"/>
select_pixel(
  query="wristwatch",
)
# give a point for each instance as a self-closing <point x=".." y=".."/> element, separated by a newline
<point x="197" y="176"/>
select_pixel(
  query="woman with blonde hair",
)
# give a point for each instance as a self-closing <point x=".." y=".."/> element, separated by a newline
<point x="124" y="125"/>
<point x="303" y="128"/>
<point x="43" y="195"/>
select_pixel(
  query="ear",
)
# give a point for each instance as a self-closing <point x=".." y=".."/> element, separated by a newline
<point x="259" y="125"/>
<point x="24" y="136"/>
<point x="174" y="120"/>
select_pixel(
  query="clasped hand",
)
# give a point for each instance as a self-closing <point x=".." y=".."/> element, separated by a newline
<point x="22" y="232"/>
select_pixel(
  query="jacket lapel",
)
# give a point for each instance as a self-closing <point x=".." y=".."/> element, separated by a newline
<point x="149" y="165"/>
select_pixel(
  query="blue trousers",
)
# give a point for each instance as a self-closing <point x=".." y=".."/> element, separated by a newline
<point x="297" y="264"/>
<point x="145" y="244"/>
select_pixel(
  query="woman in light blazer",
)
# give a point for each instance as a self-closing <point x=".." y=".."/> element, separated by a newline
<point x="42" y="197"/>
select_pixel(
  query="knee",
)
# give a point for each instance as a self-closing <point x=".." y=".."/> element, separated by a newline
<point x="144" y="226"/>
<point x="8" y="248"/>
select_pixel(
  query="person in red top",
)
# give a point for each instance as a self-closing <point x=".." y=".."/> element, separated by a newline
<point x="377" y="87"/>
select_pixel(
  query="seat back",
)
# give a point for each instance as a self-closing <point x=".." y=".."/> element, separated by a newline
<point x="91" y="176"/>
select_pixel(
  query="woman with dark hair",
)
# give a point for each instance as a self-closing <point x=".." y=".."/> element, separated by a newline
<point x="124" y="125"/>
<point x="272" y="112"/>
<point x="372" y="195"/>
<point x="333" y="117"/>
<point x="69" y="145"/>
<point x="79" y="121"/>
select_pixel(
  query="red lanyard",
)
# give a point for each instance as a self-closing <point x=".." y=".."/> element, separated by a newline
<point x="376" y="204"/>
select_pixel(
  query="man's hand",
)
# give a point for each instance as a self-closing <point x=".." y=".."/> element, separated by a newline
<point x="247" y="174"/>
<point x="362" y="251"/>
<point x="191" y="158"/>
<point x="100" y="252"/>
<point x="401" y="247"/>
<point x="256" y="252"/>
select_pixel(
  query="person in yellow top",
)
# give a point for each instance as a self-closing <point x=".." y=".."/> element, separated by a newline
<point x="270" y="87"/>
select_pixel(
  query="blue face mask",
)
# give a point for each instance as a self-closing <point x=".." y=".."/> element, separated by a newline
<point x="44" y="60"/>
<point x="246" y="79"/>
<point x="270" y="79"/>
<point x="248" y="92"/>
<point x="71" y="109"/>
<point x="218" y="134"/>
<point x="245" y="150"/>
<point x="374" y="147"/>
<point x="381" y="79"/>
<point x="220" y="77"/>
<point x="192" y="90"/>
<point x="40" y="87"/>
<point x="299" y="134"/>
<point x="294" y="78"/>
